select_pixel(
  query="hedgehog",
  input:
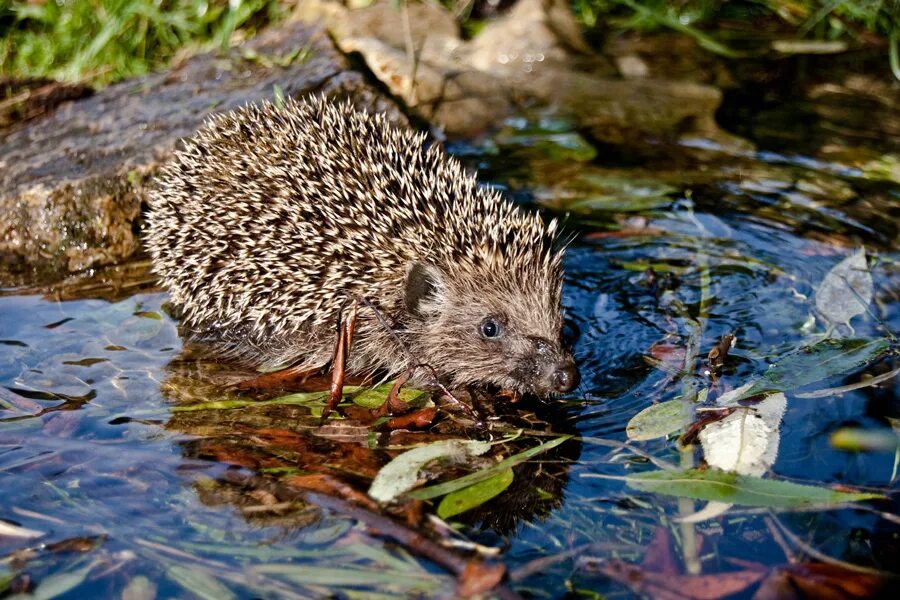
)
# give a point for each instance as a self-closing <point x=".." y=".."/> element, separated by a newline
<point x="272" y="223"/>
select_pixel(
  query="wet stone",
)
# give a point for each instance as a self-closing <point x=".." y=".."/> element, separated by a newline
<point x="72" y="183"/>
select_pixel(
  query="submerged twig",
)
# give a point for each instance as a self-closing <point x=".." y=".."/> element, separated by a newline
<point x="821" y="556"/>
<point x="384" y="526"/>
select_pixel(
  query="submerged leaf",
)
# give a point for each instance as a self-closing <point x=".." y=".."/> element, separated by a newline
<point x="60" y="583"/>
<point x="710" y="511"/>
<point x="846" y="290"/>
<point x="720" y="486"/>
<point x="10" y="530"/>
<point x="658" y="420"/>
<point x="199" y="583"/>
<point x="814" y="363"/>
<point x="476" y="494"/>
<point x="402" y="474"/>
<point x="352" y="575"/>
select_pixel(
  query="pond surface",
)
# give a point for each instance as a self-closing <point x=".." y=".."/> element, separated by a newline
<point x="128" y="467"/>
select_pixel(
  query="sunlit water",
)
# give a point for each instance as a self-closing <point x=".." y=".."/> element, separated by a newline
<point x="90" y="446"/>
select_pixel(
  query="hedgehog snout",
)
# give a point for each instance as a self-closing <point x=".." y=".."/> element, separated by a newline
<point x="551" y="368"/>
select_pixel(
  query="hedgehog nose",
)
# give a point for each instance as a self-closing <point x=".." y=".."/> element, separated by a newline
<point x="565" y="378"/>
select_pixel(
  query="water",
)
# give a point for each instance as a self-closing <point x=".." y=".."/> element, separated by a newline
<point x="124" y="489"/>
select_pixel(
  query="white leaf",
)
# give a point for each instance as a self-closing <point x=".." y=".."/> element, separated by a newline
<point x="402" y="474"/>
<point x="746" y="441"/>
<point x="846" y="291"/>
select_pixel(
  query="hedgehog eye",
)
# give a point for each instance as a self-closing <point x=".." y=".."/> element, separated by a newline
<point x="491" y="328"/>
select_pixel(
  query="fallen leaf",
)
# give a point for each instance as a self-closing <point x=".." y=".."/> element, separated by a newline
<point x="659" y="420"/>
<point x="476" y="494"/>
<point x="813" y="363"/>
<point x="846" y="290"/>
<point x="722" y="486"/>
<point x="746" y="441"/>
<point x="664" y="586"/>
<point x="478" y="578"/>
<point x="659" y="557"/>
<point x="402" y="474"/>
<point x="10" y="530"/>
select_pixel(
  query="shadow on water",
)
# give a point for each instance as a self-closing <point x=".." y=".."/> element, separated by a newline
<point x="127" y="465"/>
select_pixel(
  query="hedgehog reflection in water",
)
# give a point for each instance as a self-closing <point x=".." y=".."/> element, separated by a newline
<point x="272" y="221"/>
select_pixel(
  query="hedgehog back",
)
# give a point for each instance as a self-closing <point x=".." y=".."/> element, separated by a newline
<point x="269" y="217"/>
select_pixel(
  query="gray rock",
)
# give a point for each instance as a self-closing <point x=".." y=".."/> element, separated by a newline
<point x="534" y="54"/>
<point x="72" y="183"/>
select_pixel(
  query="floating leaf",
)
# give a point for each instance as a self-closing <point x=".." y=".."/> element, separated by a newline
<point x="476" y="494"/>
<point x="402" y="474"/>
<point x="746" y="441"/>
<point x="720" y="486"/>
<point x="658" y="421"/>
<point x="447" y="487"/>
<point x="814" y="363"/>
<point x="846" y="290"/>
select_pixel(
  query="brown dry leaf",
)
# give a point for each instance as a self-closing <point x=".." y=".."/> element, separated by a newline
<point x="667" y="357"/>
<point x="670" y="587"/>
<point x="478" y="578"/>
<point x="819" y="580"/>
<point x="659" y="557"/>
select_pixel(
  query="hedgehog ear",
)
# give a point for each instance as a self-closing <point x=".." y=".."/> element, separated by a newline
<point x="422" y="282"/>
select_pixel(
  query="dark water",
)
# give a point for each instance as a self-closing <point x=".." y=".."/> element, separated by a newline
<point x="147" y="497"/>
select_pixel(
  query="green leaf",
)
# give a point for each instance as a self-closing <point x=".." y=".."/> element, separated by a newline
<point x="658" y="421"/>
<point x="375" y="397"/>
<point x="720" y="486"/>
<point x="476" y="494"/>
<point x="402" y="474"/>
<point x="442" y="489"/>
<point x="814" y="363"/>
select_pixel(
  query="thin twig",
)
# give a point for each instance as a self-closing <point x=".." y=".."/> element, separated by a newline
<point x="849" y="388"/>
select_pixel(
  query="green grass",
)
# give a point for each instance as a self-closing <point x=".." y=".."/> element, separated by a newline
<point x="102" y="41"/>
<point x="847" y="20"/>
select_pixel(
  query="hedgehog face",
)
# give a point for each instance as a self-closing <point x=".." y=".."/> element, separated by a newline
<point x="482" y="327"/>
